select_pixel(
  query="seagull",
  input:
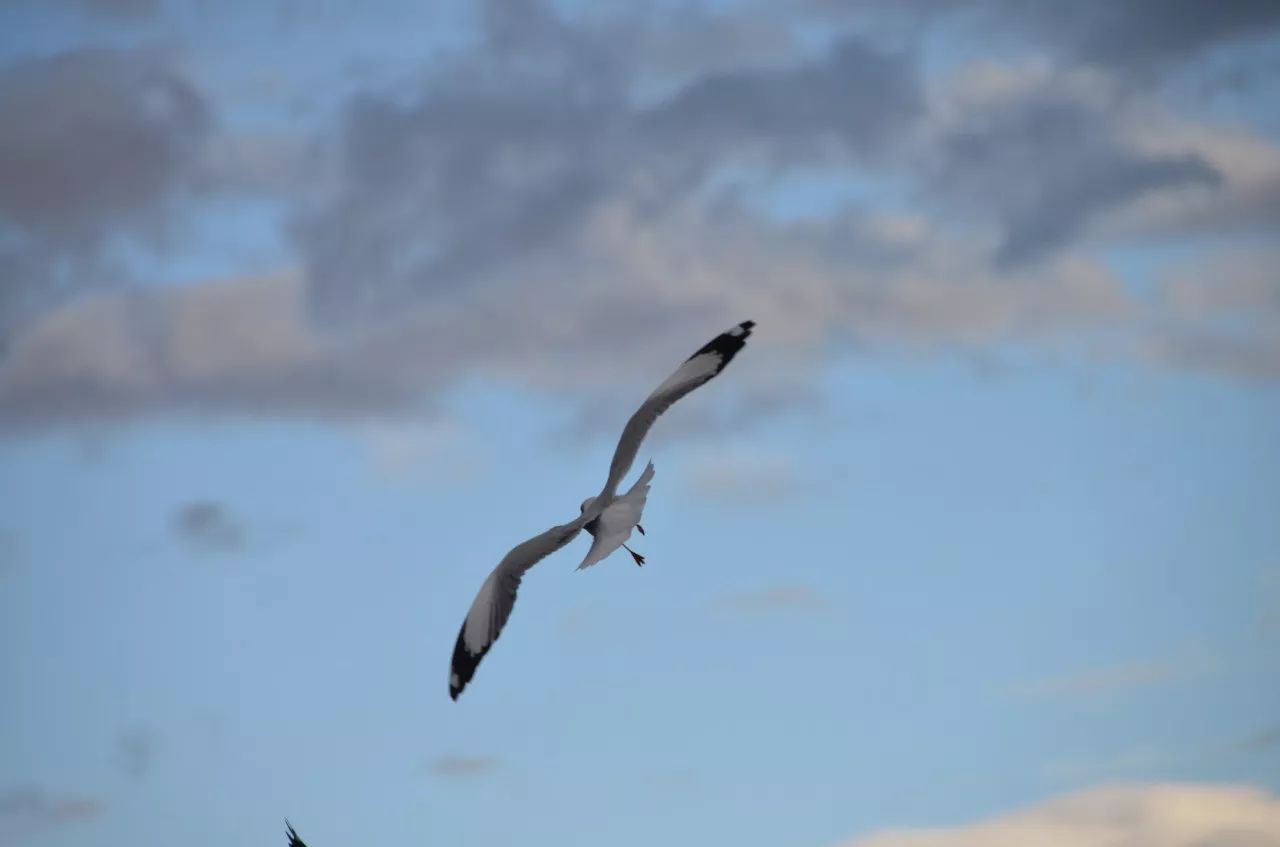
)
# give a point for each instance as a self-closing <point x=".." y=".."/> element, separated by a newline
<point x="607" y="517"/>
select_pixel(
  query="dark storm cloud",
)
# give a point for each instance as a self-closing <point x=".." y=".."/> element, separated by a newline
<point x="1044" y="164"/>
<point x="208" y="526"/>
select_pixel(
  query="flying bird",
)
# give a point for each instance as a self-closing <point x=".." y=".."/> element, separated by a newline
<point x="607" y="517"/>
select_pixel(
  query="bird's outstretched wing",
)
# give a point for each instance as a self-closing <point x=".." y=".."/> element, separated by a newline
<point x="699" y="368"/>
<point x="294" y="840"/>
<point x="497" y="596"/>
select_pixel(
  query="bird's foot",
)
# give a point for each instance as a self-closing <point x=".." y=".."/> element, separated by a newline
<point x="640" y="528"/>
<point x="639" y="559"/>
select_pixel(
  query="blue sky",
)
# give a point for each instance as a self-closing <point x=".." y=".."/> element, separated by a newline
<point x="349" y="300"/>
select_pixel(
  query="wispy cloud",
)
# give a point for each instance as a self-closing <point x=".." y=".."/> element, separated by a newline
<point x="1095" y="684"/>
<point x="134" y="751"/>
<point x="1141" y="815"/>
<point x="1265" y="739"/>
<point x="27" y="809"/>
<point x="742" y="477"/>
<point x="1129" y="763"/>
<point x="774" y="600"/>
<point x="464" y="767"/>
<point x="208" y="526"/>
<point x="1149" y="760"/>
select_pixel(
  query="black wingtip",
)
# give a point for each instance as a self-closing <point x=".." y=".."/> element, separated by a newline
<point x="727" y="344"/>
<point x="294" y="840"/>
<point x="462" y="667"/>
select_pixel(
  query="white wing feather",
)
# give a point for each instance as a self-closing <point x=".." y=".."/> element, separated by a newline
<point x="696" y="370"/>
<point x="497" y="597"/>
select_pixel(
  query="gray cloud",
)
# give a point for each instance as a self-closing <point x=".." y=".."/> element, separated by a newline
<point x="209" y="527"/>
<point x="1146" y="35"/>
<point x="1046" y="161"/>
<point x="1222" y="315"/>
<point x="28" y="808"/>
<point x="502" y="167"/>
<point x="93" y="137"/>
<point x="241" y="346"/>
<point x="557" y="208"/>
<point x="95" y="145"/>
<point x="464" y="767"/>
<point x="121" y="9"/>
<point x="775" y="599"/>
<point x="1216" y="352"/>
<point x="134" y="750"/>
<point x="1140" y="38"/>
<point x="247" y="346"/>
<point x="854" y="98"/>
<point x="1262" y="740"/>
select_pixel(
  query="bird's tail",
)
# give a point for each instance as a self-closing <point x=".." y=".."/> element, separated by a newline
<point x="646" y="478"/>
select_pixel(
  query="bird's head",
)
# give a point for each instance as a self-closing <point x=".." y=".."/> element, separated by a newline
<point x="586" y="504"/>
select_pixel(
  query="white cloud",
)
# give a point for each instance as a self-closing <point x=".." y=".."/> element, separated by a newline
<point x="1152" y="815"/>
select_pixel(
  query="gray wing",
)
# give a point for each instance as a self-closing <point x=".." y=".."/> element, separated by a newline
<point x="497" y="596"/>
<point x="699" y="368"/>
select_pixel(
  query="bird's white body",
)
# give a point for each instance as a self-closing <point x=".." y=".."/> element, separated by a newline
<point x="613" y="527"/>
<point x="607" y="517"/>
